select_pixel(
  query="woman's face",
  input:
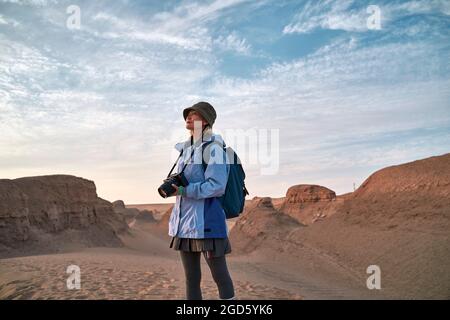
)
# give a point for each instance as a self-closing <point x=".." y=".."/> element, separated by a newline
<point x="192" y="117"/>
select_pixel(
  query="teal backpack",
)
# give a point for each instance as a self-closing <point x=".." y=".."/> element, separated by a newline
<point x="233" y="199"/>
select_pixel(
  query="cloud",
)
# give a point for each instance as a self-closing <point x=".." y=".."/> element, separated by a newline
<point x="186" y="27"/>
<point x="8" y="21"/>
<point x="400" y="9"/>
<point x="36" y="3"/>
<point x="348" y="105"/>
<point x="194" y="14"/>
<point x="234" y="43"/>
<point x="350" y="15"/>
<point x="188" y="39"/>
<point x="333" y="15"/>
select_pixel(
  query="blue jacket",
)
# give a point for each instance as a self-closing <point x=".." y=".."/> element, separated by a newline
<point x="198" y="213"/>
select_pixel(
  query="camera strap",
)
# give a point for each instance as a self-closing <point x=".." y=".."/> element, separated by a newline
<point x="175" y="163"/>
<point x="185" y="164"/>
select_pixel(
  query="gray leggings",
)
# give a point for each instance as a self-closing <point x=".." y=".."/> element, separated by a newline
<point x="219" y="272"/>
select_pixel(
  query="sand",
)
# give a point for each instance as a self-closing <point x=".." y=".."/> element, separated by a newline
<point x="145" y="269"/>
<point x="148" y="269"/>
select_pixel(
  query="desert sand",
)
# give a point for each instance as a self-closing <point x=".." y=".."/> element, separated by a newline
<point x="311" y="244"/>
<point x="145" y="269"/>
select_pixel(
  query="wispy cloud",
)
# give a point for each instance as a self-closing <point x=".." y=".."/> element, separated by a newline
<point x="185" y="26"/>
<point x="334" y="15"/>
<point x="351" y="15"/>
<point x="8" y="21"/>
<point x="38" y="3"/>
<point x="234" y="43"/>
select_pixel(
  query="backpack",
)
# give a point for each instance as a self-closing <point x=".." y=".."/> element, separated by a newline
<point x="233" y="199"/>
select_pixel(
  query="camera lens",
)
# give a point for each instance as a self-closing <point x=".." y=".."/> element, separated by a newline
<point x="166" y="189"/>
<point x="162" y="193"/>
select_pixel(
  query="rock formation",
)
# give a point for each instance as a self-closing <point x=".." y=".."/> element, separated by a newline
<point x="50" y="213"/>
<point x="129" y="214"/>
<point x="309" y="203"/>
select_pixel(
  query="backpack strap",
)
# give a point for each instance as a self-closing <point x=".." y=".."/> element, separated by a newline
<point x="205" y="164"/>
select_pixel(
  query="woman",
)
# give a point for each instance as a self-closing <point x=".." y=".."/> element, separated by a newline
<point x="197" y="223"/>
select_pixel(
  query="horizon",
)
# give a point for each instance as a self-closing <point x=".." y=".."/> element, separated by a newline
<point x="249" y="199"/>
<point x="103" y="99"/>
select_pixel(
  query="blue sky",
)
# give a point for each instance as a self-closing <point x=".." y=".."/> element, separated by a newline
<point x="104" y="101"/>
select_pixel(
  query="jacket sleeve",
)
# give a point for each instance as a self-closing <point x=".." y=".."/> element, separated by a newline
<point x="216" y="177"/>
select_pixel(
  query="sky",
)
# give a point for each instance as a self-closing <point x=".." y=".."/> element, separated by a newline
<point x="333" y="90"/>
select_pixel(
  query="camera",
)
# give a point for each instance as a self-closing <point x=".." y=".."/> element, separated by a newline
<point x="178" y="179"/>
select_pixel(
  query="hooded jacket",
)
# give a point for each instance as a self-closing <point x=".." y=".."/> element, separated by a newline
<point x="198" y="213"/>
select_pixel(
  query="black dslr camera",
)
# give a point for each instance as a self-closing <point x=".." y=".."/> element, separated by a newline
<point x="178" y="179"/>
